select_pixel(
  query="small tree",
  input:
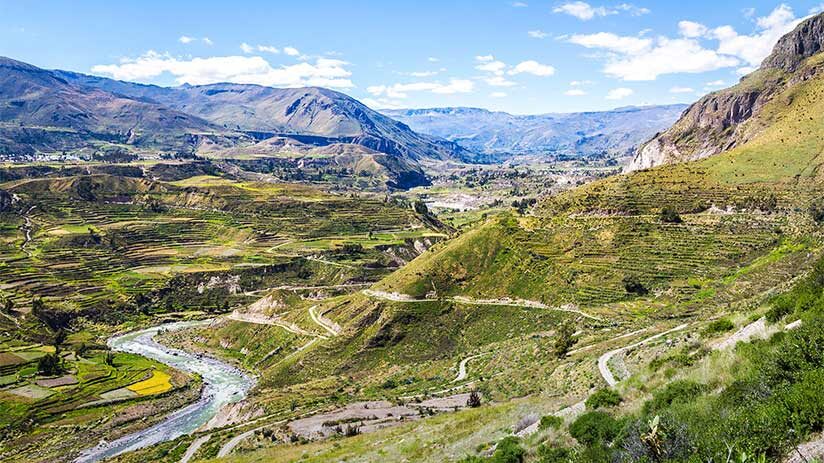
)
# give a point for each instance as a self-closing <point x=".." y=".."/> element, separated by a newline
<point x="420" y="208"/>
<point x="564" y="339"/>
<point x="474" y="400"/>
<point x="633" y="285"/>
<point x="49" y="364"/>
<point x="670" y="215"/>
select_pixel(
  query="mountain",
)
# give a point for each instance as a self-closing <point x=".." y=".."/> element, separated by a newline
<point x="268" y="111"/>
<point x="41" y="112"/>
<point x="728" y="118"/>
<point x="615" y="132"/>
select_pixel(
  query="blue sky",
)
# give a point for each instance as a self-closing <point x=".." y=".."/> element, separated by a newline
<point x="525" y="57"/>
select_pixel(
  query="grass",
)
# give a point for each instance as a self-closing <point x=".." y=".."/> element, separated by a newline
<point x="157" y="384"/>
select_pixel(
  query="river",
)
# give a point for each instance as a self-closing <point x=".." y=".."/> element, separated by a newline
<point x="222" y="384"/>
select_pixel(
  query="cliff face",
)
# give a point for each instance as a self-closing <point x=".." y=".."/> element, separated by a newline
<point x="718" y="121"/>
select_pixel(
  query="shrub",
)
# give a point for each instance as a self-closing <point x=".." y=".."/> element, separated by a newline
<point x="676" y="392"/>
<point x="49" y="364"/>
<point x="722" y="325"/>
<point x="564" y="339"/>
<point x="553" y="454"/>
<point x="594" y="428"/>
<point x="633" y="285"/>
<point x="605" y="397"/>
<point x="508" y="451"/>
<point x="670" y="215"/>
<point x="474" y="400"/>
<point x="550" y="422"/>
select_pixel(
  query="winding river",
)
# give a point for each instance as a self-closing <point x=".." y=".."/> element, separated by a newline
<point x="223" y="384"/>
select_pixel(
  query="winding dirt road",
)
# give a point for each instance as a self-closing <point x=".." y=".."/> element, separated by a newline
<point x="603" y="360"/>
<point x="331" y="327"/>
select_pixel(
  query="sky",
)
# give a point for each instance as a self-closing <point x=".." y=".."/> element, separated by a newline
<point x="523" y="57"/>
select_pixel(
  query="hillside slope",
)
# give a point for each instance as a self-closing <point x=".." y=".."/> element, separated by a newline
<point x="617" y="132"/>
<point x="731" y="117"/>
<point x="42" y="112"/>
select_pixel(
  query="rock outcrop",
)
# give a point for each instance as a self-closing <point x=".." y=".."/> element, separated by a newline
<point x="718" y="121"/>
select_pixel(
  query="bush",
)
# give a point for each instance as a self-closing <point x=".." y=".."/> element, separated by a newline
<point x="722" y="325"/>
<point x="594" y="428"/>
<point x="553" y="454"/>
<point x="605" y="397"/>
<point x="676" y="392"/>
<point x="670" y="215"/>
<point x="50" y="364"/>
<point x="550" y="422"/>
<point x="474" y="400"/>
<point x="633" y="285"/>
<point x="564" y="339"/>
<point x="508" y="451"/>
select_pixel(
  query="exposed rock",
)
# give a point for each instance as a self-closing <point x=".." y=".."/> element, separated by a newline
<point x="718" y="121"/>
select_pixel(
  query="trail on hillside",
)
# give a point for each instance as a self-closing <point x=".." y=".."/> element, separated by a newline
<point x="398" y="297"/>
<point x="603" y="360"/>
<point x="264" y="320"/>
<point x="27" y="229"/>
<point x="462" y="374"/>
<point x="331" y="327"/>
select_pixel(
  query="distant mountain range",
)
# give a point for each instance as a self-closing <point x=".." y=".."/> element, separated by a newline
<point x="56" y="114"/>
<point x="616" y="132"/>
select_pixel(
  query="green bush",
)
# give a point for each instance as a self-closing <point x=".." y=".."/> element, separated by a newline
<point x="676" y="392"/>
<point x="722" y="325"/>
<point x="605" y="397"/>
<point x="550" y="422"/>
<point x="594" y="428"/>
<point x="508" y="451"/>
<point x="553" y="454"/>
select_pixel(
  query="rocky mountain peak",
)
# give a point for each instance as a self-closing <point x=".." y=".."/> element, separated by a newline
<point x="806" y="40"/>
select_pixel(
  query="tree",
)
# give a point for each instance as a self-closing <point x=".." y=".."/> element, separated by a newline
<point x="603" y="398"/>
<point x="633" y="285"/>
<point x="420" y="207"/>
<point x="564" y="339"/>
<point x="670" y="215"/>
<point x="49" y="364"/>
<point x="474" y="400"/>
<point x="594" y="428"/>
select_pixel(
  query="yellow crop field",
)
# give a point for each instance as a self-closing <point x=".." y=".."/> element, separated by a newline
<point x="158" y="383"/>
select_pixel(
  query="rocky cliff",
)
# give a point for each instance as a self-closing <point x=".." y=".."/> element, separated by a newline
<point x="721" y="120"/>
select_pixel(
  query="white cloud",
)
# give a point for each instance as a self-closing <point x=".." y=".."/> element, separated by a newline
<point x="532" y="67"/>
<point x="538" y="34"/>
<point x="612" y="42"/>
<point x="484" y="58"/>
<point x="246" y="48"/>
<point x="584" y="11"/>
<point x="498" y="81"/>
<point x="520" y="5"/>
<point x="495" y="67"/>
<point x="498" y="94"/>
<point x="578" y="83"/>
<point x="291" y="51"/>
<point x="681" y="90"/>
<point x="402" y="90"/>
<point x="185" y="39"/>
<point x="575" y="92"/>
<point x="324" y="72"/>
<point x="208" y="41"/>
<point x="268" y="49"/>
<point x="754" y="48"/>
<point x="422" y="73"/>
<point x="619" y="93"/>
<point x="381" y="103"/>
<point x="817" y="9"/>
<point x="691" y="29"/>
<point x="716" y="83"/>
<point x="432" y="59"/>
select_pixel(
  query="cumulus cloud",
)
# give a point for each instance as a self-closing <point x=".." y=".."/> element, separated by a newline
<point x="538" y="34"/>
<point x="691" y="29"/>
<point x="612" y="42"/>
<point x="291" y="51"/>
<point x="619" y="93"/>
<point x="494" y="67"/>
<point x="498" y="81"/>
<point x="642" y="58"/>
<point x="323" y="72"/>
<point x="584" y="11"/>
<point x="400" y="91"/>
<point x="575" y="92"/>
<point x="532" y="67"/>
